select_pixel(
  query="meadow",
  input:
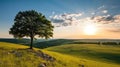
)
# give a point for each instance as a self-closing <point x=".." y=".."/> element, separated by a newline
<point x="15" y="55"/>
<point x="103" y="53"/>
<point x="67" y="53"/>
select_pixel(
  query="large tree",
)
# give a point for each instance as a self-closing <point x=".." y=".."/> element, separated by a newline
<point x="31" y="24"/>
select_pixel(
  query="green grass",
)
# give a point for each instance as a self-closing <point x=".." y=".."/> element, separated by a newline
<point x="100" y="53"/>
<point x="28" y="59"/>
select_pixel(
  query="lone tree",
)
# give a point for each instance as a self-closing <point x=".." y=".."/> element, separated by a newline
<point x="30" y="24"/>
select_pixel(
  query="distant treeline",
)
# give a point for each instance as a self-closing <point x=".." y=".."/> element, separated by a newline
<point x="42" y="43"/>
<point x="99" y="43"/>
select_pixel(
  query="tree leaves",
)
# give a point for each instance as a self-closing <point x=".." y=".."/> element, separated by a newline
<point x="31" y="23"/>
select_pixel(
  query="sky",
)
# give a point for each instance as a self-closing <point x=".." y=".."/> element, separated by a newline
<point x="72" y="19"/>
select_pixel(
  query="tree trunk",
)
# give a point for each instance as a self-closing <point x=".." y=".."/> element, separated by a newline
<point x="31" y="44"/>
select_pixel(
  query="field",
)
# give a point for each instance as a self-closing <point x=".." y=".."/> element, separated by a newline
<point x="67" y="53"/>
<point x="103" y="53"/>
<point x="15" y="55"/>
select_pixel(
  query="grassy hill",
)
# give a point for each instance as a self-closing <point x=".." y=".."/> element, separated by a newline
<point x="102" y="53"/>
<point x="15" y="55"/>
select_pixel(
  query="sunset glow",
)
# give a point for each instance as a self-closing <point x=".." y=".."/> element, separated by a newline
<point x="90" y="30"/>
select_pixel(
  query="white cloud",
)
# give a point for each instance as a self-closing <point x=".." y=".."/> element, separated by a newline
<point x="65" y="19"/>
<point x="105" y="11"/>
<point x="101" y="7"/>
<point x="93" y="13"/>
<point x="74" y="15"/>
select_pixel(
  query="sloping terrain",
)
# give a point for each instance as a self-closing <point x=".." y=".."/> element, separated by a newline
<point x="15" y="55"/>
<point x="101" y="53"/>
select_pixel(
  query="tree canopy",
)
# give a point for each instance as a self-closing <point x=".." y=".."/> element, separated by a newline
<point x="30" y="24"/>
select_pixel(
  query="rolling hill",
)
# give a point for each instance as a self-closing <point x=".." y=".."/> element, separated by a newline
<point x="16" y="55"/>
<point x="102" y="53"/>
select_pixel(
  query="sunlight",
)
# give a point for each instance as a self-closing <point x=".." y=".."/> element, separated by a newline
<point x="90" y="29"/>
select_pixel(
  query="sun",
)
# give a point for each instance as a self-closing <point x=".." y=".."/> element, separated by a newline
<point x="90" y="29"/>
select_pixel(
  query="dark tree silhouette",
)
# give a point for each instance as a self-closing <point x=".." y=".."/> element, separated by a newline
<point x="30" y="24"/>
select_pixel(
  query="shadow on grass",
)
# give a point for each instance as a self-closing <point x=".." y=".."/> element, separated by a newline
<point x="90" y="54"/>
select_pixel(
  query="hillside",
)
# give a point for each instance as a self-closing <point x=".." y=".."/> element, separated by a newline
<point x="15" y="55"/>
<point x="102" y="53"/>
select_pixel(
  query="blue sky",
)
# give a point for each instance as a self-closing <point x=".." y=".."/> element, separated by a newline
<point x="55" y="9"/>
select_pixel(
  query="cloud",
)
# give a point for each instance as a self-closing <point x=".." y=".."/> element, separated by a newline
<point x="93" y="13"/>
<point x="107" y="19"/>
<point x="100" y="10"/>
<point x="101" y="7"/>
<point x="104" y="11"/>
<point x="114" y="30"/>
<point x="74" y="15"/>
<point x="111" y="23"/>
<point x="71" y="19"/>
<point x="117" y="18"/>
<point x="100" y="17"/>
<point x="65" y="19"/>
